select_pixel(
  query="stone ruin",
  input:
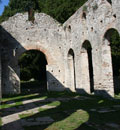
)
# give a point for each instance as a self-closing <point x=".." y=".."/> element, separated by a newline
<point x="70" y="49"/>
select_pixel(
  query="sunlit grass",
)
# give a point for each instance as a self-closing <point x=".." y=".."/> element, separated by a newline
<point x="55" y="103"/>
<point x="16" y="97"/>
<point x="71" y="122"/>
<point x="25" y="115"/>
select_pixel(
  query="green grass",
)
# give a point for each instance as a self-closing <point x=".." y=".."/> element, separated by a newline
<point x="55" y="103"/>
<point x="16" y="97"/>
<point x="25" y="115"/>
<point x="117" y="96"/>
<point x="71" y="122"/>
<point x="70" y="115"/>
<point x="9" y="105"/>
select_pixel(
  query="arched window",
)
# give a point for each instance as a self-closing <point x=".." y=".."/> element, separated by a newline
<point x="87" y="65"/>
<point x="112" y="43"/>
<point x="84" y="15"/>
<point x="71" y="67"/>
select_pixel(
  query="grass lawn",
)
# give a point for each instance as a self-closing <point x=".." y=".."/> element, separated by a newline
<point x="80" y="112"/>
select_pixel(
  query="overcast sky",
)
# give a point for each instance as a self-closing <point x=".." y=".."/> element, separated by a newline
<point x="4" y="2"/>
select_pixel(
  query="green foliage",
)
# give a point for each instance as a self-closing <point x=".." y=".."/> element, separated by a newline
<point x="25" y="74"/>
<point x="32" y="64"/>
<point x="115" y="43"/>
<point x="85" y="8"/>
<point x="61" y="10"/>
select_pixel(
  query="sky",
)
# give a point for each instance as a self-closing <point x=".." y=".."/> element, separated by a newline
<point x="2" y="4"/>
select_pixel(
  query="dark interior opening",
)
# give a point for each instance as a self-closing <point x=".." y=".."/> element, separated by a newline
<point x="84" y="15"/>
<point x="88" y="48"/>
<point x="69" y="28"/>
<point x="33" y="72"/>
<point x="71" y="53"/>
<point x="114" y="15"/>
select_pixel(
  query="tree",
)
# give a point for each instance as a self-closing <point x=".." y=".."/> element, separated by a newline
<point x="32" y="64"/>
<point x="61" y="10"/>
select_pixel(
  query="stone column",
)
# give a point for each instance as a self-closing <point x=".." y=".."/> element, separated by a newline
<point x="85" y="72"/>
<point x="10" y="77"/>
<point x="71" y="73"/>
<point x="107" y="72"/>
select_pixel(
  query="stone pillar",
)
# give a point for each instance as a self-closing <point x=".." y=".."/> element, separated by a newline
<point x="97" y="70"/>
<point x="71" y="73"/>
<point x="85" y="72"/>
<point x="10" y="80"/>
<point x="4" y="63"/>
<point x="107" y="72"/>
<point x="10" y="77"/>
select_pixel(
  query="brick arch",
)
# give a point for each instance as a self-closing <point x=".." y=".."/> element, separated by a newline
<point x="45" y="51"/>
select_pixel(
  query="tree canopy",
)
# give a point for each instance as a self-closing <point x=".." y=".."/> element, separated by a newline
<point x="61" y="10"/>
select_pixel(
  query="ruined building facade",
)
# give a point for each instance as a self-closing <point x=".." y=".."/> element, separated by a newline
<point x="65" y="47"/>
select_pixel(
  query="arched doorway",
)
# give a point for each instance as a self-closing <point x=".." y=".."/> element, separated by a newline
<point x="87" y="67"/>
<point x="112" y="48"/>
<point x="33" y="71"/>
<point x="71" y="67"/>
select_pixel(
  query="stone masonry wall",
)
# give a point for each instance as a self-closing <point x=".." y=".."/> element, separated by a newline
<point x="89" y="23"/>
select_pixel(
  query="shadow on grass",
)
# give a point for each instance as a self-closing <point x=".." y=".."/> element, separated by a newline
<point x="62" y="114"/>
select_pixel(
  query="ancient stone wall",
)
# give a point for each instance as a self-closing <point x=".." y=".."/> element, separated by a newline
<point x="91" y="22"/>
<point x="63" y="46"/>
<point x="20" y="35"/>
